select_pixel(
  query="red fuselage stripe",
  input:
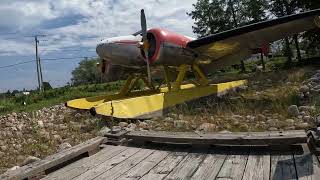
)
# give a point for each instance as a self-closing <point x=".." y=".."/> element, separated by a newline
<point x="125" y="42"/>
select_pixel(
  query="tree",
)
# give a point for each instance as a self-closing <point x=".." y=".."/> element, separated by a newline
<point x="255" y="10"/>
<point x="209" y="17"/>
<point x="310" y="39"/>
<point x="288" y="7"/>
<point x="214" y="16"/>
<point x="86" y="72"/>
<point x="46" y="86"/>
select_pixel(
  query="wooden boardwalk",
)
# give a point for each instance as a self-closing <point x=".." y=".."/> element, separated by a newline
<point x="176" y="162"/>
<point x="180" y="155"/>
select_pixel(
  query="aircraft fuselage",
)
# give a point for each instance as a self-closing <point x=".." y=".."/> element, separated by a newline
<point x="166" y="48"/>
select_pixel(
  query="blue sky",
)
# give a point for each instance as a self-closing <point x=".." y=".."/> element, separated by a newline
<point x="72" y="29"/>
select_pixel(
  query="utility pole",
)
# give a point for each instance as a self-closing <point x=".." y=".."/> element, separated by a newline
<point x="37" y="62"/>
<point x="39" y="69"/>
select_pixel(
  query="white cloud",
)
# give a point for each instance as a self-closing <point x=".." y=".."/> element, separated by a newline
<point x="101" y="18"/>
<point x="21" y="14"/>
<point x="97" y="19"/>
<point x="11" y="47"/>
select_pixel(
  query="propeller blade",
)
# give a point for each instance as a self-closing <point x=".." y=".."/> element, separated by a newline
<point x="148" y="67"/>
<point x="143" y="25"/>
<point x="145" y="42"/>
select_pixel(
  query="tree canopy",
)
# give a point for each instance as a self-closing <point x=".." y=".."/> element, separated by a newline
<point x="86" y="72"/>
<point x="214" y="16"/>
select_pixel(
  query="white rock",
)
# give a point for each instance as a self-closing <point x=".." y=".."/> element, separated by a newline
<point x="143" y="125"/>
<point x="105" y="130"/>
<point x="238" y="117"/>
<point x="30" y="159"/>
<point x="57" y="137"/>
<point x="172" y="115"/>
<point x="244" y="127"/>
<point x="250" y="118"/>
<point x="169" y="119"/>
<point x="64" y="146"/>
<point x="306" y="118"/>
<point x="14" y="114"/>
<point x="235" y="122"/>
<point x="290" y="122"/>
<point x="158" y="129"/>
<point x="303" y="126"/>
<point x="63" y="127"/>
<point x="149" y="122"/>
<point x="40" y="124"/>
<point x="293" y="110"/>
<point x="13" y="168"/>
<point x="207" y="127"/>
<point x="115" y="129"/>
<point x="3" y="147"/>
<point x="132" y="127"/>
<point x="180" y="124"/>
<point x="317" y="120"/>
<point x="123" y="124"/>
<point x="307" y="108"/>
<point x="273" y="129"/>
<point x="273" y="122"/>
<point x="304" y="89"/>
<point x="261" y="117"/>
<point x="78" y="115"/>
<point x="290" y="128"/>
<point x="302" y="113"/>
<point x="20" y="127"/>
<point x="225" y="132"/>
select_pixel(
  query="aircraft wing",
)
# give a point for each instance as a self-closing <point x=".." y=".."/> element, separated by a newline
<point x="229" y="47"/>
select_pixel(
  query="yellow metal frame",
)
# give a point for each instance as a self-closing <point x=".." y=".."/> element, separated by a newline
<point x="132" y="81"/>
<point x="139" y="104"/>
<point x="175" y="86"/>
<point x="201" y="79"/>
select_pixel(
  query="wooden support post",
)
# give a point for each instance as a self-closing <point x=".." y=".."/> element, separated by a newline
<point x="166" y="76"/>
<point x="126" y="87"/>
<point x="200" y="75"/>
<point x="181" y="75"/>
<point x="262" y="61"/>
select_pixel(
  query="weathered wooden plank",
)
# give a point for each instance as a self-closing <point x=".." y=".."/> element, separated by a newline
<point x="258" y="167"/>
<point x="251" y="138"/>
<point x="126" y="165"/>
<point x="165" y="166"/>
<point x="39" y="167"/>
<point x="187" y="167"/>
<point x="233" y="167"/>
<point x="307" y="166"/>
<point x="75" y="169"/>
<point x="210" y="167"/>
<point x="111" y="163"/>
<point x="145" y="166"/>
<point x="282" y="167"/>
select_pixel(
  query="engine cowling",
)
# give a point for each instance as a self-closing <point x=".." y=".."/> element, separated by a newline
<point x="166" y="47"/>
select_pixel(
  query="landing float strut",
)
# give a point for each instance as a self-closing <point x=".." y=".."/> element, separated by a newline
<point x="130" y="103"/>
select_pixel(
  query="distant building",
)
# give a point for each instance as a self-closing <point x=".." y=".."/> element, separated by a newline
<point x="25" y="93"/>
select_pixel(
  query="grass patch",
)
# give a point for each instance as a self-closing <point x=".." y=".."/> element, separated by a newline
<point x="51" y="97"/>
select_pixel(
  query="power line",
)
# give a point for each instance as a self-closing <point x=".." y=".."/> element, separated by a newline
<point x="64" y="58"/>
<point x="67" y="50"/>
<point x="16" y="64"/>
<point x="49" y="59"/>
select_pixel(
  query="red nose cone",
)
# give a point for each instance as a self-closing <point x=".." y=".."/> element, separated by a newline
<point x="164" y="36"/>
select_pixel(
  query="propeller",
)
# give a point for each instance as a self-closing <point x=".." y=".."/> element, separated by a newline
<point x="145" y="44"/>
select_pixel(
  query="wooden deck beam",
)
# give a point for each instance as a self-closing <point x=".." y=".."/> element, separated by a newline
<point x="248" y="138"/>
<point x="39" y="168"/>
